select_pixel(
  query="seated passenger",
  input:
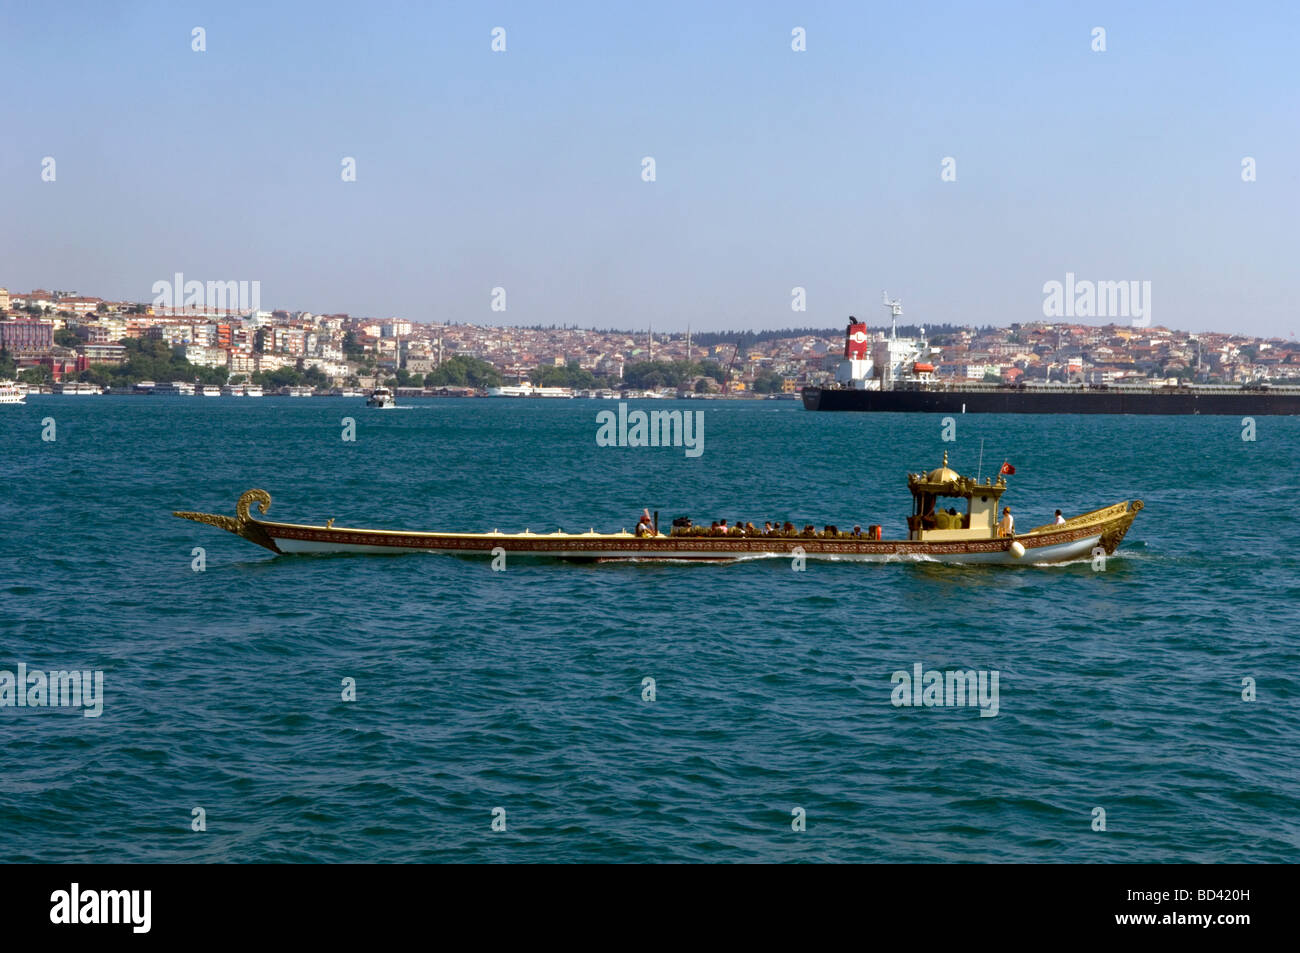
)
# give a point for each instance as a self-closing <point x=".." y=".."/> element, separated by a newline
<point x="767" y="527"/>
<point x="857" y="532"/>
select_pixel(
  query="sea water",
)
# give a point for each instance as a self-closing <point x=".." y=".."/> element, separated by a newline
<point x="1146" y="707"/>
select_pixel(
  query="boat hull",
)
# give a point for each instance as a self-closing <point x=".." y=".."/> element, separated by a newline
<point x="646" y="550"/>
<point x="1102" y="530"/>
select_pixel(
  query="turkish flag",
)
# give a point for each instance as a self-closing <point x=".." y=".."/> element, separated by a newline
<point x="1007" y="468"/>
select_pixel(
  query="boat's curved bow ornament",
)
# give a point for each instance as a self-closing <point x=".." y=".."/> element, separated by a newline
<point x="1114" y="533"/>
<point x="242" y="523"/>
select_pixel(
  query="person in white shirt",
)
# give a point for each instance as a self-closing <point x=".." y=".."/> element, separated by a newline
<point x="1007" y="527"/>
<point x="1059" y="518"/>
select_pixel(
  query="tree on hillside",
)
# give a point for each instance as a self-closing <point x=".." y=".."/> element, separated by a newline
<point x="570" y="375"/>
<point x="460" y="370"/>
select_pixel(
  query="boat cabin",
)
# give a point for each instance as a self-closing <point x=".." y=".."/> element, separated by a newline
<point x="934" y="519"/>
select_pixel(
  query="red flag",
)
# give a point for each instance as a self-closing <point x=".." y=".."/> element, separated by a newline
<point x="1007" y="468"/>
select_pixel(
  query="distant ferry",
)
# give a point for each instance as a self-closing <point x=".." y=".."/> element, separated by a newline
<point x="252" y="390"/>
<point x="897" y="376"/>
<point x="529" y="390"/>
<point x="296" y="391"/>
<point x="210" y="390"/>
<point x="77" y="388"/>
<point x="174" y="389"/>
<point x="232" y="390"/>
<point x="10" y="394"/>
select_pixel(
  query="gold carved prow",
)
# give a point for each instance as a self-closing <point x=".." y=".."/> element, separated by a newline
<point x="242" y="523"/>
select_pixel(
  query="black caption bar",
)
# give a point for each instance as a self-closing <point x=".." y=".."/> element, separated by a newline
<point x="143" y="903"/>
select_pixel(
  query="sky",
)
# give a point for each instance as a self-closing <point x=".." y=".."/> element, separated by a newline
<point x="774" y="169"/>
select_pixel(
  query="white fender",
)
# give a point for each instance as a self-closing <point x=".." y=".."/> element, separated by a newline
<point x="1017" y="549"/>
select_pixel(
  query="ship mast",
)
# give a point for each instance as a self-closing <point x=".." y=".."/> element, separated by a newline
<point x="895" y="309"/>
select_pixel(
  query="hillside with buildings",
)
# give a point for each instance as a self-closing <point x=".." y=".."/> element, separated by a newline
<point x="48" y="337"/>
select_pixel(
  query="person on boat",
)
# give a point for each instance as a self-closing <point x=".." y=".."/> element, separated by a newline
<point x="1007" y="525"/>
<point x="857" y="532"/>
<point x="788" y="529"/>
<point x="722" y="525"/>
<point x="715" y="529"/>
<point x="1060" y="520"/>
<point x="751" y="529"/>
<point x="767" y="527"/>
<point x="646" y="526"/>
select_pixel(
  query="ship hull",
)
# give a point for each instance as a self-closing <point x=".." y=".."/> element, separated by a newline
<point x="671" y="549"/>
<point x="1013" y="401"/>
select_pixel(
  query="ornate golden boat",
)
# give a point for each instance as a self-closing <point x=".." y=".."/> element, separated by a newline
<point x="933" y="534"/>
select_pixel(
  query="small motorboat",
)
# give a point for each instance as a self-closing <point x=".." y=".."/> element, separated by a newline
<point x="934" y="535"/>
<point x="382" y="398"/>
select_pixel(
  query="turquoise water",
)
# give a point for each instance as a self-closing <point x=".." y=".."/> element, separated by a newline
<point x="1119" y="689"/>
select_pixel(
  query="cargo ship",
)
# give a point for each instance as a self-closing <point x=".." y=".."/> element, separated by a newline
<point x="896" y="375"/>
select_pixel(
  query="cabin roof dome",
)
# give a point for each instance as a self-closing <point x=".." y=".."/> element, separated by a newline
<point x="942" y="474"/>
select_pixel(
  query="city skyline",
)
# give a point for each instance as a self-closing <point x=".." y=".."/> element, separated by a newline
<point x="824" y="168"/>
<point x="874" y="322"/>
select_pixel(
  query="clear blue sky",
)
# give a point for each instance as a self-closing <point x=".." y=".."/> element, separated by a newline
<point x="774" y="168"/>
